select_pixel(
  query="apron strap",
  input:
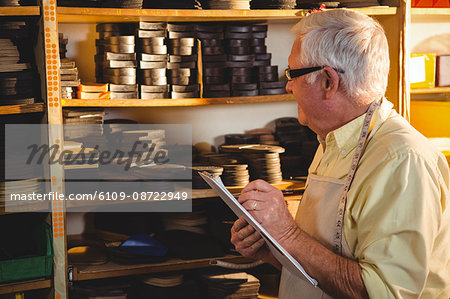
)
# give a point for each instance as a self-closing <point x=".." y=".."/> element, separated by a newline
<point x="351" y="173"/>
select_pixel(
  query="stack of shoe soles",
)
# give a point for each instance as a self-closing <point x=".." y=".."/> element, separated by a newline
<point x="173" y="4"/>
<point x="116" y="59"/>
<point x="81" y="163"/>
<point x="122" y="3"/>
<point x="79" y="123"/>
<point x="167" y="286"/>
<point x="308" y="4"/>
<point x="236" y="65"/>
<point x="182" y="66"/>
<point x="215" y="83"/>
<point x="62" y="45"/>
<point x="232" y="285"/>
<point x="68" y="71"/>
<point x="197" y="181"/>
<point x="139" y="142"/>
<point x="273" y="4"/>
<point x="235" y="172"/>
<point x="69" y="79"/>
<point x="83" y="140"/>
<point x="241" y="139"/>
<point x="235" y="175"/>
<point x="17" y="2"/>
<point x="300" y="144"/>
<point x="18" y="84"/>
<point x="152" y="56"/>
<point x="263" y="160"/>
<point x="241" y="60"/>
<point x="263" y="136"/>
<point x="255" y="136"/>
<point x="79" y="3"/>
<point x="226" y="4"/>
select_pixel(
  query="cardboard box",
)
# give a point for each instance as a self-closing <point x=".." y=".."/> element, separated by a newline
<point x="443" y="70"/>
<point x="422" y="70"/>
<point x="430" y="3"/>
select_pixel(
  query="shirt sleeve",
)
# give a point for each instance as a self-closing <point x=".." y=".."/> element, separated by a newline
<point x="397" y="218"/>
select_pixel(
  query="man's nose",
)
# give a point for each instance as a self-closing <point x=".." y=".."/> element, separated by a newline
<point x="289" y="86"/>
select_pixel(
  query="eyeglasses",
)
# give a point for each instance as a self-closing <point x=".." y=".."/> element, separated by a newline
<point x="291" y="74"/>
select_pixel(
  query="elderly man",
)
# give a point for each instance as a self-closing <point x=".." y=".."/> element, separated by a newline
<point x="374" y="220"/>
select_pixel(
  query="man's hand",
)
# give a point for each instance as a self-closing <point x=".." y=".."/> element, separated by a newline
<point x="249" y="243"/>
<point x="267" y="205"/>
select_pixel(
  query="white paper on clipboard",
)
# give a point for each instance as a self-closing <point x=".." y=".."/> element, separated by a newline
<point x="277" y="250"/>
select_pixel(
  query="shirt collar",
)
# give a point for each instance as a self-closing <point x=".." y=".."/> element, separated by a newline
<point x="346" y="137"/>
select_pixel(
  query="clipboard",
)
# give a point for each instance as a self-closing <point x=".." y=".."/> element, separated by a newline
<point x="277" y="250"/>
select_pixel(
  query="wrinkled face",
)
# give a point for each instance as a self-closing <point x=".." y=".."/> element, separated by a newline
<point x="306" y="95"/>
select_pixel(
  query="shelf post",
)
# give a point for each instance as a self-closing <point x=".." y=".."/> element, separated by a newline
<point x="404" y="14"/>
<point x="52" y="97"/>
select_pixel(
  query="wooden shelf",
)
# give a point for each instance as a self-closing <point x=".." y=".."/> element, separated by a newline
<point x="38" y="206"/>
<point x="205" y="193"/>
<point x="100" y="15"/>
<point x="176" y="102"/>
<point x="430" y="90"/>
<point x="431" y="11"/>
<point x="195" y="194"/>
<point x="110" y="269"/>
<point x="25" y="108"/>
<point x="20" y="11"/>
<point x="23" y="286"/>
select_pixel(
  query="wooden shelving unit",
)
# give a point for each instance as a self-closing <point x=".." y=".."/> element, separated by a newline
<point x="431" y="11"/>
<point x="430" y="90"/>
<point x="99" y="15"/>
<point x="19" y="109"/>
<point x="176" y="102"/>
<point x="20" y="11"/>
<point x="23" y="286"/>
<point x="391" y="17"/>
<point x="111" y="269"/>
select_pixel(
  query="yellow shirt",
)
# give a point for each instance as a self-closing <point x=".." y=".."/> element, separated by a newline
<point x="397" y="219"/>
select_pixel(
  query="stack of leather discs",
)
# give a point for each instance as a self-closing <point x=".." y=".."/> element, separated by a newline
<point x="182" y="64"/>
<point x="122" y="3"/>
<point x="240" y="59"/>
<point x="268" y="80"/>
<point x="153" y="60"/>
<point x="197" y="181"/>
<point x="273" y="4"/>
<point x="263" y="160"/>
<point x="241" y="139"/>
<point x="263" y="136"/>
<point x="235" y="175"/>
<point x="79" y="3"/>
<point x="215" y="82"/>
<point x="69" y="78"/>
<point x="62" y="45"/>
<point x="226" y="4"/>
<point x="116" y="59"/>
<point x="68" y="71"/>
<point x="231" y="65"/>
<point x="173" y="4"/>
<point x="17" y="71"/>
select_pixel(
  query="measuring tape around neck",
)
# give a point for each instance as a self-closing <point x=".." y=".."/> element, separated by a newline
<point x="351" y="173"/>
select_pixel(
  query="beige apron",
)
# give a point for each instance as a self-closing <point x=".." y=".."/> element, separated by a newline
<point x="317" y="216"/>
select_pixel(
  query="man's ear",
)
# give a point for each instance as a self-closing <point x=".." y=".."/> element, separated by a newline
<point x="330" y="81"/>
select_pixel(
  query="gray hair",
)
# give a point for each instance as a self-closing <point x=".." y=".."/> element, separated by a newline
<point x="349" y="41"/>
